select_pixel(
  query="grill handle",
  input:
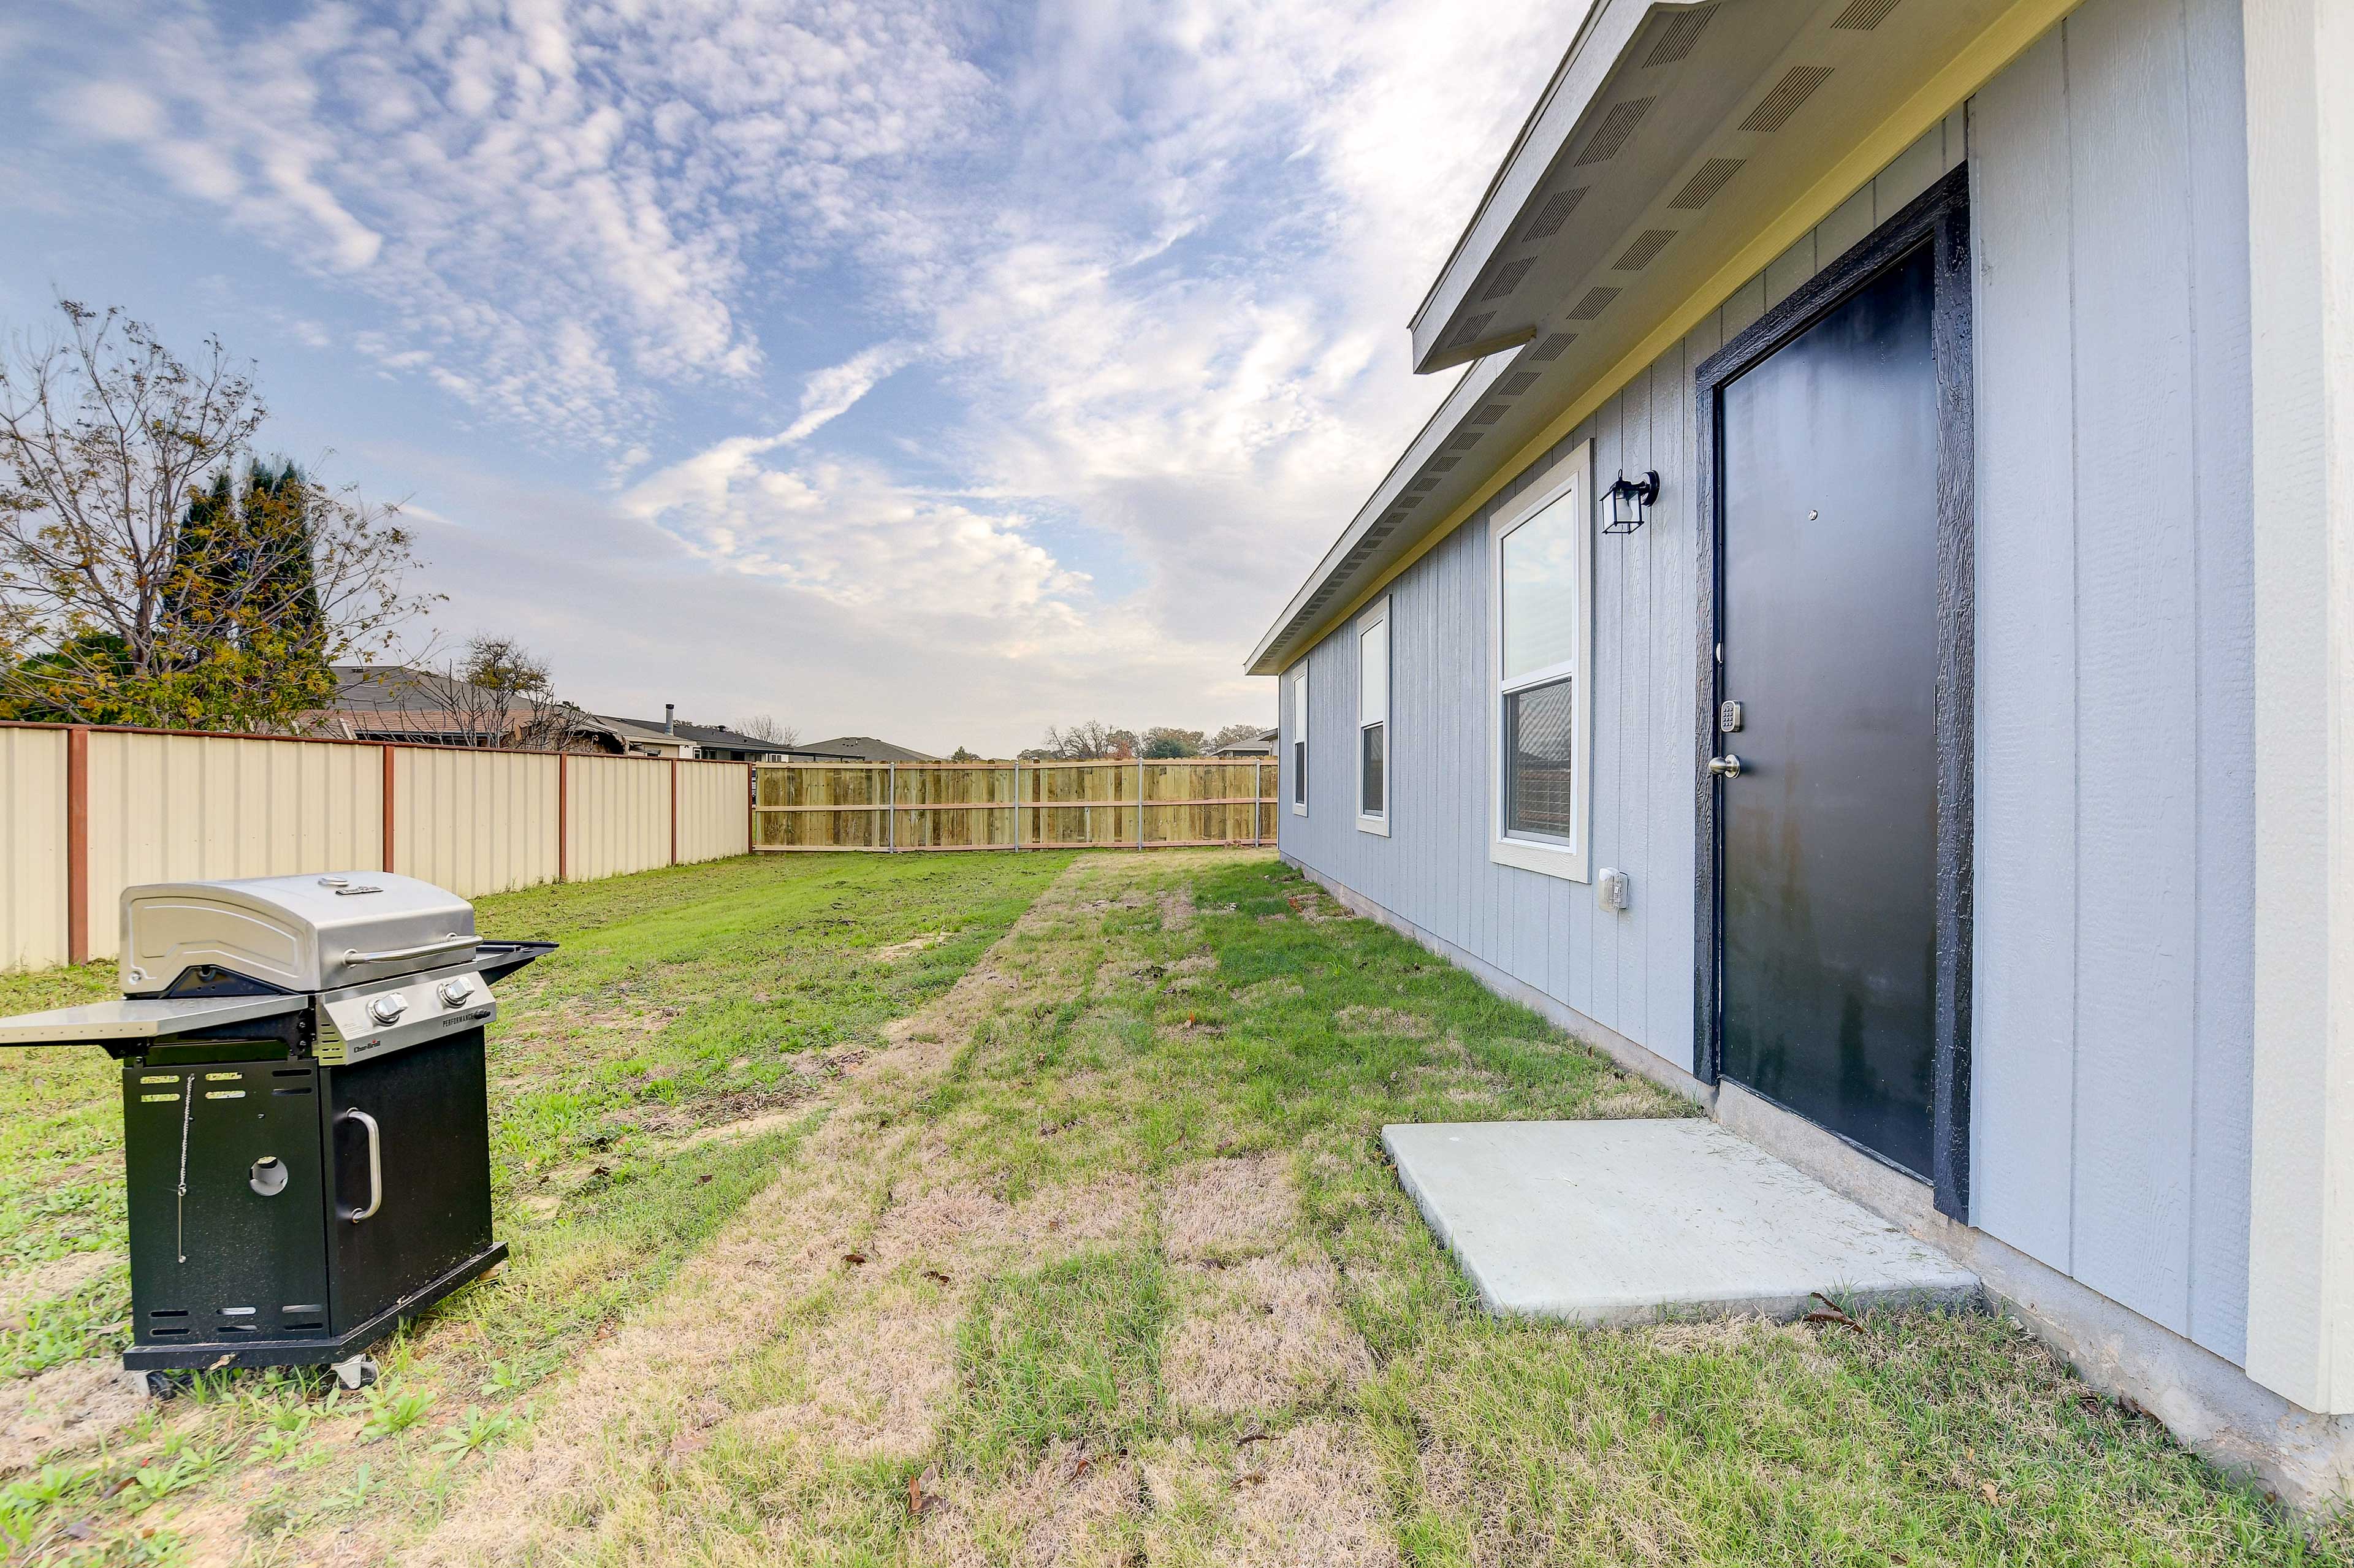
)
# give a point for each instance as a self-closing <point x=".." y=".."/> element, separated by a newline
<point x="376" y="1163"/>
<point x="402" y="955"/>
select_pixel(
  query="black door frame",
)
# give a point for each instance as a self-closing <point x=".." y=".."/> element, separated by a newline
<point x="1940" y="219"/>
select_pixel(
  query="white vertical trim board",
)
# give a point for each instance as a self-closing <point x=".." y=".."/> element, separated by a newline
<point x="1569" y="486"/>
<point x="1297" y="760"/>
<point x="2301" y="265"/>
<point x="1374" y="663"/>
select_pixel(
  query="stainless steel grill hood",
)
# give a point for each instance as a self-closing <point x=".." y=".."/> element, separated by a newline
<point x="310" y="933"/>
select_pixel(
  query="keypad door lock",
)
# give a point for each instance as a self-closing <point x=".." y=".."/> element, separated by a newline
<point x="1728" y="717"/>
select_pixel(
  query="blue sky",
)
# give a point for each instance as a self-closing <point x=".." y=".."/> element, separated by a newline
<point x="939" y="372"/>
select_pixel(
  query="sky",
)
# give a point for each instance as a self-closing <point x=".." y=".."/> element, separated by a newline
<point x="940" y="372"/>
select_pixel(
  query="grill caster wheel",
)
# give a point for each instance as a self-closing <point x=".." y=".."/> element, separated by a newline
<point x="162" y="1385"/>
<point x="355" y="1373"/>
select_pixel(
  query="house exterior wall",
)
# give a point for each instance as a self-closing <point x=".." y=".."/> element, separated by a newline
<point x="2114" y="816"/>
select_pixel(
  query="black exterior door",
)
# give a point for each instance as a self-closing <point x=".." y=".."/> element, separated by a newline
<point x="1829" y="454"/>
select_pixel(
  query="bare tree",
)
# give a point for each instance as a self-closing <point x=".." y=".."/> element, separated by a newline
<point x="150" y="571"/>
<point x="772" y="729"/>
<point x="494" y="693"/>
<point x="1088" y="741"/>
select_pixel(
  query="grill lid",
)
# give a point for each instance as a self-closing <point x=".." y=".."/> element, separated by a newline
<point x="298" y="933"/>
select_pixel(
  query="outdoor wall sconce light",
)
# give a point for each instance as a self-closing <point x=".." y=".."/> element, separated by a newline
<point x="1630" y="502"/>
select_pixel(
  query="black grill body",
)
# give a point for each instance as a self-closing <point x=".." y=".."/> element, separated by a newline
<point x="263" y="1261"/>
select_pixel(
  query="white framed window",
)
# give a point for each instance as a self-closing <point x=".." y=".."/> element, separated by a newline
<point x="1299" y="740"/>
<point x="1373" y="719"/>
<point x="1540" y="632"/>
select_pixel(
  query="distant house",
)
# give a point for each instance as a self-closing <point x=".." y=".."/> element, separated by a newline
<point x="674" y="737"/>
<point x="1259" y="745"/>
<point x="857" y="748"/>
<point x="395" y="702"/>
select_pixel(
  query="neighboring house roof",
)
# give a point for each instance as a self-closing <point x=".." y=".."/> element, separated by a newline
<point x="1694" y="145"/>
<point x="379" y="702"/>
<point x="860" y="748"/>
<point x="708" y="736"/>
<point x="648" y="736"/>
<point x="1262" y="745"/>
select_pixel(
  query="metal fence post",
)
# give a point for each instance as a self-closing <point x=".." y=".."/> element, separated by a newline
<point x="1017" y="802"/>
<point x="1258" y="795"/>
<point x="891" y="808"/>
<point x="1139" y="802"/>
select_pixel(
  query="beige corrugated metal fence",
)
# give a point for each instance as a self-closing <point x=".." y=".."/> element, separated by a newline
<point x="91" y="811"/>
<point x="33" y="856"/>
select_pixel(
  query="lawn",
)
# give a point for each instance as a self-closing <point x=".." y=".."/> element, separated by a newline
<point x="994" y="1209"/>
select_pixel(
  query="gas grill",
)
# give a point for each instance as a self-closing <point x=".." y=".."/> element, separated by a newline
<point x="305" y="1130"/>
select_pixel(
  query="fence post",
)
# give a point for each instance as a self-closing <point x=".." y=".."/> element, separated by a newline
<point x="1017" y="803"/>
<point x="387" y="856"/>
<point x="751" y="798"/>
<point x="1140" y="800"/>
<point x="673" y="810"/>
<point x="563" y="816"/>
<point x="78" y="845"/>
<point x="891" y="808"/>
<point x="1258" y="796"/>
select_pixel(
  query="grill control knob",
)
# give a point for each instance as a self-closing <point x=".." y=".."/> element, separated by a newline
<point x="388" y="1008"/>
<point x="456" y="994"/>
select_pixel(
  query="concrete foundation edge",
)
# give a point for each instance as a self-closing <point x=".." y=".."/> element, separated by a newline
<point x="2212" y="1406"/>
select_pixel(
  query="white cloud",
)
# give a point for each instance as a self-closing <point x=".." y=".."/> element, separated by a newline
<point x="1156" y="259"/>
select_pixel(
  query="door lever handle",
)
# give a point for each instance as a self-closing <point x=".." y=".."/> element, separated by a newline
<point x="1725" y="767"/>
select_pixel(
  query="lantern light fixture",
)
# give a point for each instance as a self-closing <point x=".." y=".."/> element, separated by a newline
<point x="1630" y="502"/>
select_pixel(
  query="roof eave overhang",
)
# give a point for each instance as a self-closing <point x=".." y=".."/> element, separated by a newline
<point x="1663" y="233"/>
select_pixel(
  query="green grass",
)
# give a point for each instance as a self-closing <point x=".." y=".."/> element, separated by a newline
<point x="1924" y="1438"/>
<point x="1263" y="1023"/>
<point x="680" y="1001"/>
<point x="1069" y="1352"/>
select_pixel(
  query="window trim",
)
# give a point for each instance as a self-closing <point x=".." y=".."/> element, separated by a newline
<point x="1376" y="614"/>
<point x="1570" y="484"/>
<point x="1299" y="748"/>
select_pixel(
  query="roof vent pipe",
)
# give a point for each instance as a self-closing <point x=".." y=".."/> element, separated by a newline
<point x="670" y="718"/>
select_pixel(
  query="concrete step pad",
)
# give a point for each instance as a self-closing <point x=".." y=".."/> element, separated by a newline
<point x="1639" y="1222"/>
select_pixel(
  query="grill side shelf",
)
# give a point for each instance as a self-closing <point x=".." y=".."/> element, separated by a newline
<point x="141" y="1018"/>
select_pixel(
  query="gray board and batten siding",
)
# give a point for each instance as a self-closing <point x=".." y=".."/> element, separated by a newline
<point x="2113" y="813"/>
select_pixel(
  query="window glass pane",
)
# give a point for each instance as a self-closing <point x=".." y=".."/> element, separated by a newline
<point x="1300" y="772"/>
<point x="1539" y="572"/>
<point x="1538" y="800"/>
<point x="1372" y="802"/>
<point x="1374" y="681"/>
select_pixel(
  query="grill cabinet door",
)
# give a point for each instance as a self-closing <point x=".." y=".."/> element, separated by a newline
<point x="430" y="1107"/>
<point x="236" y="1263"/>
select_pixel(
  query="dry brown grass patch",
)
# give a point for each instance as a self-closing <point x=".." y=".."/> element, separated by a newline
<point x="1275" y="1338"/>
<point x="1072" y="1508"/>
<point x="875" y="1379"/>
<point x="1229" y="1208"/>
<point x="1316" y="1498"/>
<point x="65" y="1408"/>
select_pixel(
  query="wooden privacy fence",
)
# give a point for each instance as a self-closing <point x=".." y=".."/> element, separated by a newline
<point x="91" y="811"/>
<point x="909" y="806"/>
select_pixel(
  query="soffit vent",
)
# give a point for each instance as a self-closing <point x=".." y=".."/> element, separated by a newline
<point x="1472" y="327"/>
<point x="1424" y="482"/>
<point x="1518" y="382"/>
<point x="1552" y="215"/>
<point x="1863" y="16"/>
<point x="1645" y="250"/>
<point x="1789" y="96"/>
<point x="1508" y="278"/>
<point x="1596" y="300"/>
<point x="1616" y="126"/>
<point x="1685" y="30"/>
<point x="1464" y="443"/>
<point x="1554" y="347"/>
<point x="1701" y="189"/>
<point x="1445" y="464"/>
<point x="1490" y="414"/>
